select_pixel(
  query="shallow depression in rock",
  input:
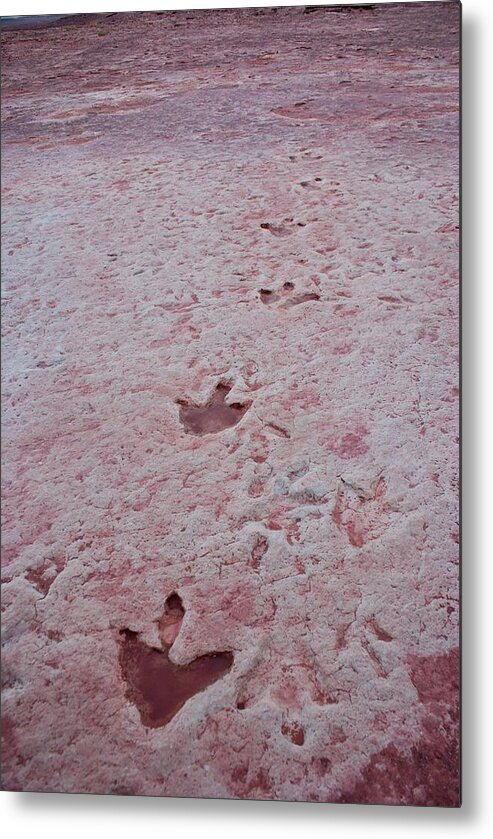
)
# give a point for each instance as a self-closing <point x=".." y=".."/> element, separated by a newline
<point x="213" y="417"/>
<point x="160" y="688"/>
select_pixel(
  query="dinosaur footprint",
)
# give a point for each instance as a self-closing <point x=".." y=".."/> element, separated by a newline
<point x="214" y="416"/>
<point x="154" y="684"/>
<point x="285" y="228"/>
<point x="285" y="296"/>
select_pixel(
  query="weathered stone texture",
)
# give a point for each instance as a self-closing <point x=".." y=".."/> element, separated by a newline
<point x="230" y="403"/>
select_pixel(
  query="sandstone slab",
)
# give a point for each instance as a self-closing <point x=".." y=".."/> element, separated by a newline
<point x="230" y="404"/>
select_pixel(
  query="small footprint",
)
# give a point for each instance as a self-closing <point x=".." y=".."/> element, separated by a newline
<point x="268" y="296"/>
<point x="361" y="513"/>
<point x="312" y="185"/>
<point x="286" y="228"/>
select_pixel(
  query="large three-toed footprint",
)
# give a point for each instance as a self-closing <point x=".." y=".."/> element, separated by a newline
<point x="154" y="684"/>
<point x="215" y="415"/>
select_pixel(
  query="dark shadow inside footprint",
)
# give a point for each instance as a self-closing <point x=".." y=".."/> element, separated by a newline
<point x="277" y="229"/>
<point x="213" y="417"/>
<point x="267" y="296"/>
<point x="157" y="686"/>
<point x="169" y="624"/>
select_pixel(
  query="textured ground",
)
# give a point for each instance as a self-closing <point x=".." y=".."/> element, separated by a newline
<point x="230" y="405"/>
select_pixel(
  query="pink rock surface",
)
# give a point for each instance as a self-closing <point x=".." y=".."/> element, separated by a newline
<point x="230" y="405"/>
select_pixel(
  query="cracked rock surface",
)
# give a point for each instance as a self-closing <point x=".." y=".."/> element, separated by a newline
<point x="230" y="404"/>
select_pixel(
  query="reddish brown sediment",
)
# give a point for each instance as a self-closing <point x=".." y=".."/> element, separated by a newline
<point x="157" y="686"/>
<point x="230" y="385"/>
<point x="301" y="298"/>
<point x="294" y="732"/>
<point x="213" y="417"/>
<point x="426" y="773"/>
<point x="160" y="688"/>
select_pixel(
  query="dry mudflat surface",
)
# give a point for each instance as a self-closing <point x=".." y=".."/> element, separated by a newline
<point x="230" y="404"/>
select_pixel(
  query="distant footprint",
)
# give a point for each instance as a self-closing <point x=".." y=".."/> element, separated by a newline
<point x="268" y="296"/>
<point x="301" y="298"/>
<point x="286" y="228"/>
<point x="312" y="185"/>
